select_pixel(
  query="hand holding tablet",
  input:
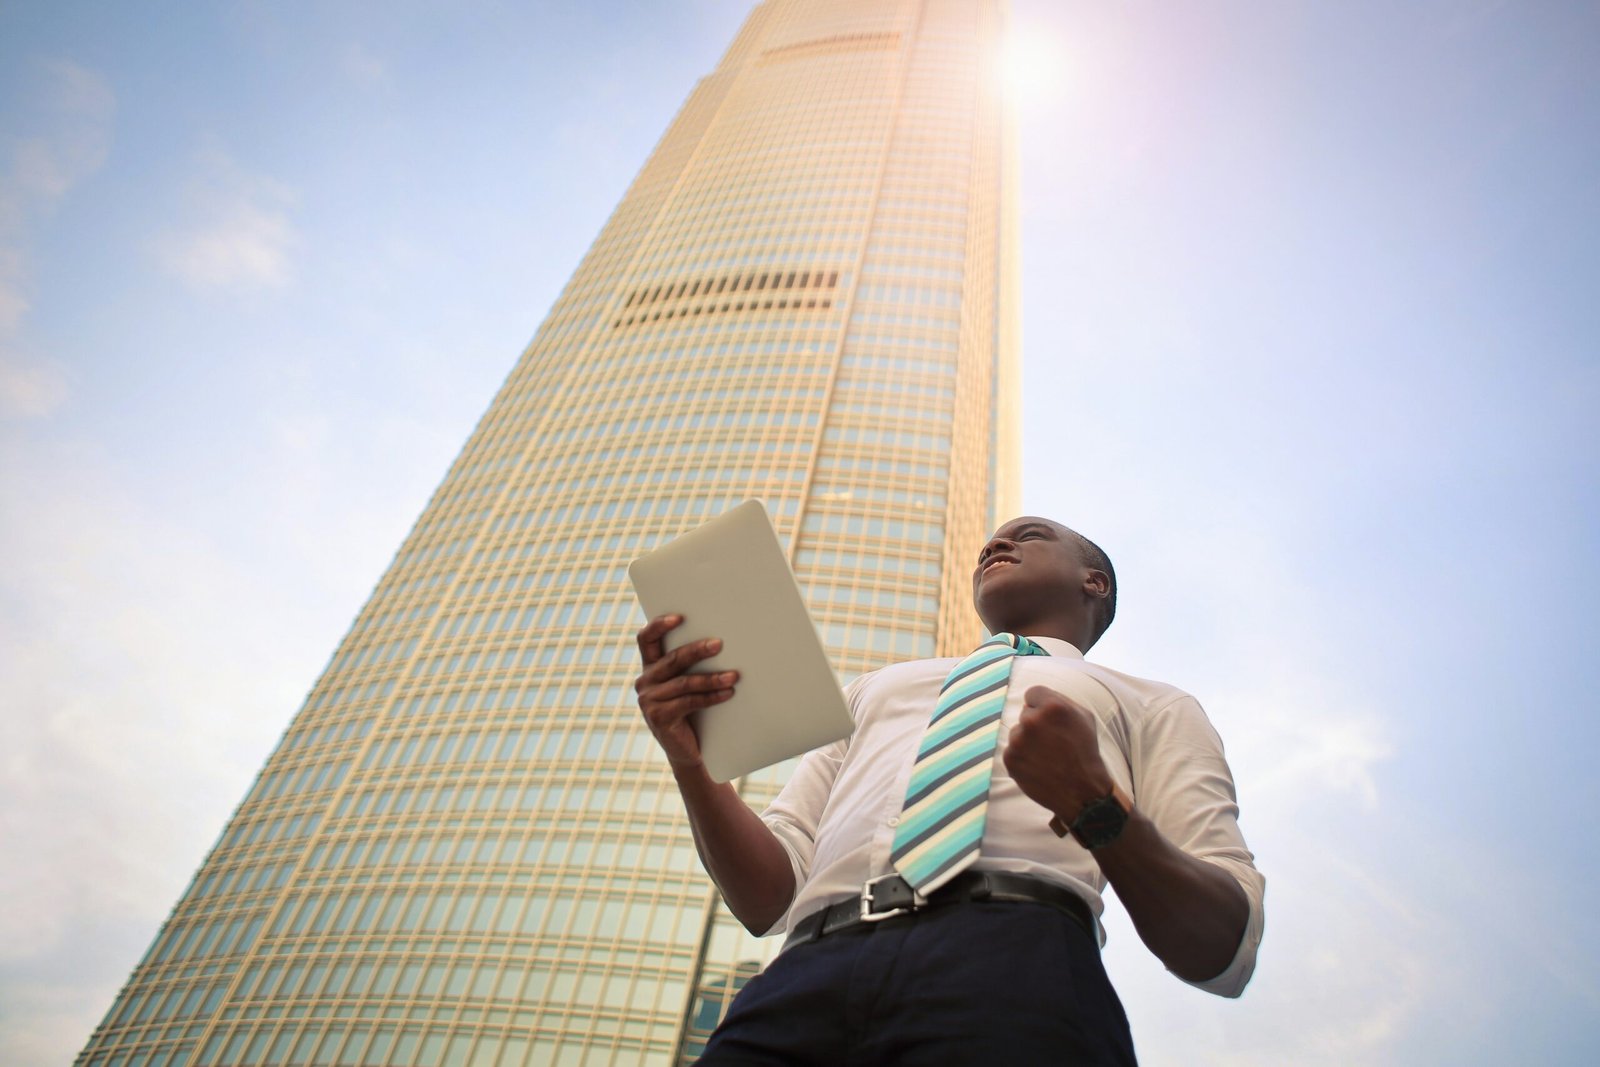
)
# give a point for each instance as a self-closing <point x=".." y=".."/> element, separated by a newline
<point x="723" y="601"/>
<point x="670" y="690"/>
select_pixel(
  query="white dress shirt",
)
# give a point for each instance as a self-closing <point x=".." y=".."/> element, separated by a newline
<point x="836" y="817"/>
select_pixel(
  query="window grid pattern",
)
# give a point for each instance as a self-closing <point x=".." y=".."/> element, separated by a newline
<point x="465" y="849"/>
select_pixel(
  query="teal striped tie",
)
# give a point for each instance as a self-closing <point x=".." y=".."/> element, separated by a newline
<point x="947" y="799"/>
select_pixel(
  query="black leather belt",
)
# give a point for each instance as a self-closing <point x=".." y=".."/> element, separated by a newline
<point x="889" y="896"/>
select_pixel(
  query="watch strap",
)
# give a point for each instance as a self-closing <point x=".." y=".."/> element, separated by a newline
<point x="1117" y="794"/>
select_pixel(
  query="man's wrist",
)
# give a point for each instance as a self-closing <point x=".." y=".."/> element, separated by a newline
<point x="691" y="775"/>
<point x="1099" y="821"/>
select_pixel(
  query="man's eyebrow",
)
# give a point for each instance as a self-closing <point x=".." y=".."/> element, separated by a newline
<point x="1025" y="527"/>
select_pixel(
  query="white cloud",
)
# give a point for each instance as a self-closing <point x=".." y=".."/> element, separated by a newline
<point x="136" y="695"/>
<point x="69" y="116"/>
<point x="138" y="698"/>
<point x="1343" y="977"/>
<point x="46" y="170"/>
<point x="239" y="235"/>
<point x="13" y="299"/>
<point x="1294" y="748"/>
<point x="72" y="113"/>
<point x="30" y="388"/>
<point x="37" y="1014"/>
<point x="365" y="69"/>
<point x="1358" y="953"/>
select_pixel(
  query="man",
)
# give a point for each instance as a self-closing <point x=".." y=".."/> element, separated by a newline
<point x="1093" y="776"/>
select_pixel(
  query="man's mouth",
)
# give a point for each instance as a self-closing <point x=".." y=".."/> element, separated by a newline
<point x="996" y="562"/>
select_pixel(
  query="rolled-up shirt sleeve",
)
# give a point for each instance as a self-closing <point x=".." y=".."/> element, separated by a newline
<point x="794" y="815"/>
<point x="1183" y="784"/>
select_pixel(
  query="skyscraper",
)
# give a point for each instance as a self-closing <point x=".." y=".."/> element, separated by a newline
<point x="465" y="849"/>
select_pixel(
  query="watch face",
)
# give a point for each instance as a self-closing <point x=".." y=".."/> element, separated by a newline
<point x="1099" y="822"/>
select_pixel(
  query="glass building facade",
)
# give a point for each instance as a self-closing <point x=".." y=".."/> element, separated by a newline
<point x="466" y="849"/>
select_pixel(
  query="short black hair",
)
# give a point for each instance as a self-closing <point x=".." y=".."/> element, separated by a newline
<point x="1095" y="558"/>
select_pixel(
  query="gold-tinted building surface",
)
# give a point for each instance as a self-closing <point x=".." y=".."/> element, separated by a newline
<point x="466" y="849"/>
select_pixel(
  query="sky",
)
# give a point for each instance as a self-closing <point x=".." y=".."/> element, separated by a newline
<point x="1311" y="346"/>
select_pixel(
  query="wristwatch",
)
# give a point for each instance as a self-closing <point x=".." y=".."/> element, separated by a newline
<point x="1100" y="821"/>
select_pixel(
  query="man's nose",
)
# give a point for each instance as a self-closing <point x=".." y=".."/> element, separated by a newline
<point x="995" y="545"/>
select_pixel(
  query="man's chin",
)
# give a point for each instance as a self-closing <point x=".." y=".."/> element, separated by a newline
<point x="998" y="609"/>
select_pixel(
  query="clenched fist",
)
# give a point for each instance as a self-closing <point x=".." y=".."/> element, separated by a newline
<point x="1053" y="754"/>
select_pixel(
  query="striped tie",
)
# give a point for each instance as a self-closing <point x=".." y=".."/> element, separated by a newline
<point x="947" y="799"/>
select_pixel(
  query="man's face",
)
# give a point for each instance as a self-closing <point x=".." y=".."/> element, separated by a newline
<point x="1030" y="568"/>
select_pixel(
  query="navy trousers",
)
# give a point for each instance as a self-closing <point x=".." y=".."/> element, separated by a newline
<point x="978" y="983"/>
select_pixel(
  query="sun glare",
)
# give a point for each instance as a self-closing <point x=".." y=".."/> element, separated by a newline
<point x="1030" y="65"/>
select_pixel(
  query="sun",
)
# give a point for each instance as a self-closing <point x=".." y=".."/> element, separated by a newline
<point x="1029" y="65"/>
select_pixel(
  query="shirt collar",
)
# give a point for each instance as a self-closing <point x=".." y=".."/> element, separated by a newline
<point x="1057" y="647"/>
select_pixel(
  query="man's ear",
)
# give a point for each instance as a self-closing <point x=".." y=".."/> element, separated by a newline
<point x="1097" y="584"/>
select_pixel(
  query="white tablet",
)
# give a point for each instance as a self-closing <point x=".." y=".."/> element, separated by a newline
<point x="729" y="579"/>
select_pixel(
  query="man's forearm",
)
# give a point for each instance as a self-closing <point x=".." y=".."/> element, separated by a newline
<point x="743" y="856"/>
<point x="1190" y="913"/>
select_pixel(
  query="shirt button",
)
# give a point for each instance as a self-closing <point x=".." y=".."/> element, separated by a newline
<point x="894" y="820"/>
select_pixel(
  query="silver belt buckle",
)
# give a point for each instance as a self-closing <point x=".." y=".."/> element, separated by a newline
<point x="870" y="916"/>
